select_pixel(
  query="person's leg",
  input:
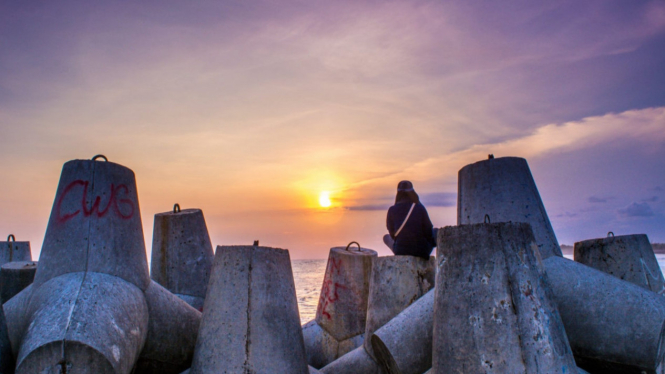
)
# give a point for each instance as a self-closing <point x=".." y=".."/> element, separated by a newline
<point x="389" y="242"/>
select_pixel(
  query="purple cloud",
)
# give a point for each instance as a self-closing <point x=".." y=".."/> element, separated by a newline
<point x="636" y="210"/>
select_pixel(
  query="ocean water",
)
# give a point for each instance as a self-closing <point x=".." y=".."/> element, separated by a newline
<point x="308" y="277"/>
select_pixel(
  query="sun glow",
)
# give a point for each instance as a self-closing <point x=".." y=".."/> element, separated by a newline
<point x="324" y="199"/>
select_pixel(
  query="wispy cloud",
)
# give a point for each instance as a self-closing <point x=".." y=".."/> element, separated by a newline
<point x="596" y="199"/>
<point x="636" y="210"/>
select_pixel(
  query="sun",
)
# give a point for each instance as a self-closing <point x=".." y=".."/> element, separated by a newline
<point x="324" y="199"/>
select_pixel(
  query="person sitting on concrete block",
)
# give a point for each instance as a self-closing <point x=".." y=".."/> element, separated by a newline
<point x="411" y="232"/>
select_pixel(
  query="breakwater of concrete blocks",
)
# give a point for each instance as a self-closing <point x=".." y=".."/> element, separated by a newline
<point x="497" y="298"/>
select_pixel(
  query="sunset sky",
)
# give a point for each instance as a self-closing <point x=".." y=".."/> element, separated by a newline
<point x="250" y="109"/>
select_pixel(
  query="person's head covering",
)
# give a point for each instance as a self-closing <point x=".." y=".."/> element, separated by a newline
<point x="405" y="192"/>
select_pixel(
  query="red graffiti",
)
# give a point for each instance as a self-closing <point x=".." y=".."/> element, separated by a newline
<point x="335" y="265"/>
<point x="113" y="204"/>
<point x="329" y="296"/>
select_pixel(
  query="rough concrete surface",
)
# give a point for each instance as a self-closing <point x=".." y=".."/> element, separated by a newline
<point x="182" y="253"/>
<point x="322" y="348"/>
<point x="404" y="344"/>
<point x="172" y="330"/>
<point x="95" y="225"/>
<point x="504" y="190"/>
<point x="14" y="277"/>
<point x="342" y="308"/>
<point x="86" y="323"/>
<point x="250" y="318"/>
<point x="14" y="251"/>
<point x="627" y="257"/>
<point x="613" y="326"/>
<point x="397" y="282"/>
<point x="493" y="308"/>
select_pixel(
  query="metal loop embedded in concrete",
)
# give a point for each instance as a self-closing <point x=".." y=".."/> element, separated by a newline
<point x="487" y="218"/>
<point x="356" y="243"/>
<point x="11" y="238"/>
<point x="176" y="208"/>
<point x="610" y="234"/>
<point x="100" y="156"/>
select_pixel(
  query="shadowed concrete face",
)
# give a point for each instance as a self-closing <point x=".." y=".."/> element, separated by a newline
<point x="172" y="332"/>
<point x="613" y="326"/>
<point x="404" y="345"/>
<point x="14" y="251"/>
<point x="182" y="254"/>
<point x="504" y="189"/>
<point x="84" y="322"/>
<point x="493" y="309"/>
<point x="628" y="257"/>
<point x="14" y="277"/>
<point x="251" y="300"/>
<point x="6" y="357"/>
<point x="342" y="308"/>
<point x="95" y="225"/>
<point x="397" y="282"/>
<point x="322" y="348"/>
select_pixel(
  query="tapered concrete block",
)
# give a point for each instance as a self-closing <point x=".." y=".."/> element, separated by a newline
<point x="84" y="323"/>
<point x="404" y="345"/>
<point x="95" y="225"/>
<point x="504" y="190"/>
<point x="172" y="331"/>
<point x="313" y="370"/>
<point x="354" y="362"/>
<point x="627" y="257"/>
<point x="397" y="282"/>
<point x="342" y="308"/>
<point x="14" y="277"/>
<point x="493" y="309"/>
<point x="613" y="326"/>
<point x="250" y="318"/>
<point x="11" y="250"/>
<point x="182" y="254"/>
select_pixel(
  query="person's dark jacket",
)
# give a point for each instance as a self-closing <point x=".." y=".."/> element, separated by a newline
<point x="415" y="239"/>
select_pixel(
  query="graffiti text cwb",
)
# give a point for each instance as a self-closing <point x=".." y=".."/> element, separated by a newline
<point x="114" y="202"/>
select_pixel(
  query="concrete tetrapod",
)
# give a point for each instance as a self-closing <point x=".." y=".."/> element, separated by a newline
<point x="95" y="225"/>
<point x="11" y="250"/>
<point x="87" y="310"/>
<point x="182" y="254"/>
<point x="627" y="257"/>
<point x="250" y="320"/>
<point x="397" y="282"/>
<point x="504" y="190"/>
<point x="493" y="309"/>
<point x="613" y="326"/>
<point x="14" y="277"/>
<point x="342" y="310"/>
<point x="404" y="345"/>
